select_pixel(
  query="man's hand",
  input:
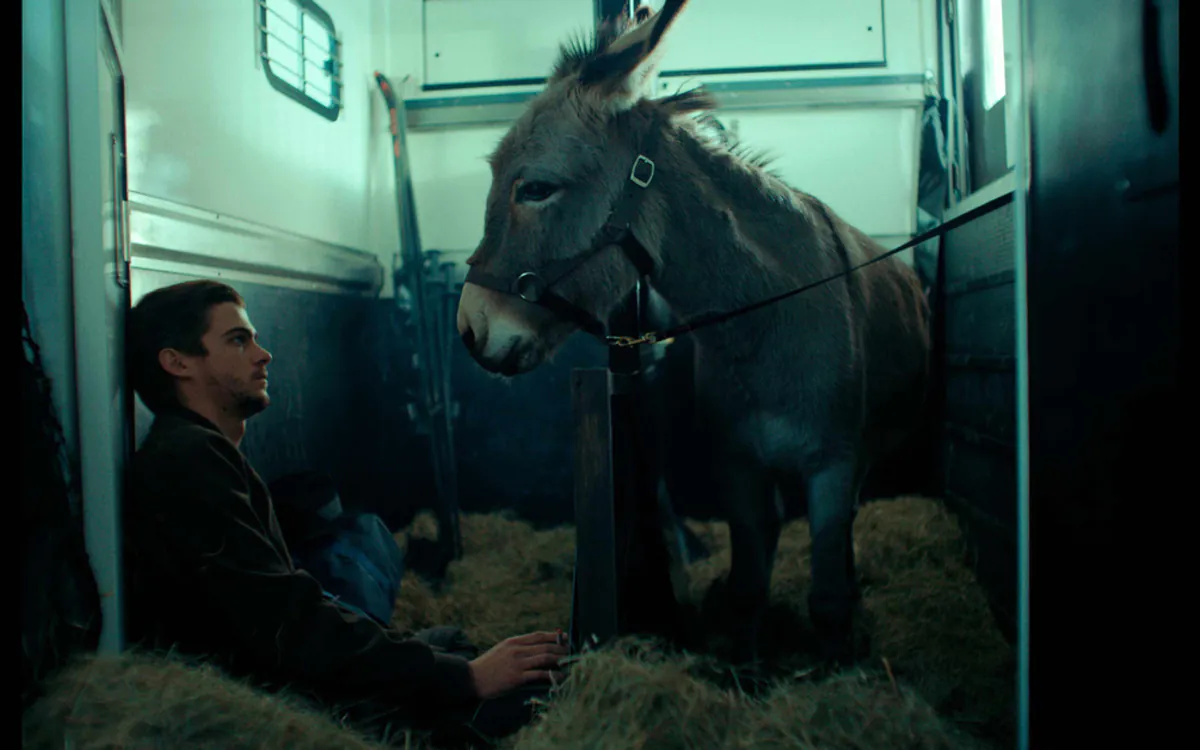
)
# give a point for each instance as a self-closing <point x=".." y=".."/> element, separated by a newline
<point x="516" y="661"/>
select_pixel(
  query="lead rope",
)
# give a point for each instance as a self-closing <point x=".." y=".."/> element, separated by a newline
<point x="655" y="337"/>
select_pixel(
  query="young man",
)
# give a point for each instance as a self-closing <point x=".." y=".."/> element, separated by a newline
<point x="209" y="571"/>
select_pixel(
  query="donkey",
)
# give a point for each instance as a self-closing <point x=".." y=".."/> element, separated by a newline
<point x="596" y="186"/>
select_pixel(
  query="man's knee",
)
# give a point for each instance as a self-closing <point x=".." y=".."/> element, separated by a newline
<point x="450" y="639"/>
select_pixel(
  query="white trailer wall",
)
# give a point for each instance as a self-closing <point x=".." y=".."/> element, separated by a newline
<point x="231" y="176"/>
<point x="217" y="155"/>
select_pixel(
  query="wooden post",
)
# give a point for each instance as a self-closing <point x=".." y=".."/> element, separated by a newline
<point x="645" y="597"/>
<point x="622" y="566"/>
<point x="594" y="613"/>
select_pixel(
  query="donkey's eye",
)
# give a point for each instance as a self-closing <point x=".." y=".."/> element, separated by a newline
<point x="535" y="192"/>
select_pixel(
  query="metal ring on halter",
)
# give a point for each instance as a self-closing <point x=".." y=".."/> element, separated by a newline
<point x="633" y="175"/>
<point x="533" y="282"/>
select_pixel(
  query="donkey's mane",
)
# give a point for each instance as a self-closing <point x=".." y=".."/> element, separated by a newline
<point x="692" y="112"/>
<point x="706" y="124"/>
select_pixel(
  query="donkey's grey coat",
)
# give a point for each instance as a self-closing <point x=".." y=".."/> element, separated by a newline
<point x="803" y="395"/>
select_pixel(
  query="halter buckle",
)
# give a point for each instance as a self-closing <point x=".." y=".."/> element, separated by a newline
<point x="633" y="176"/>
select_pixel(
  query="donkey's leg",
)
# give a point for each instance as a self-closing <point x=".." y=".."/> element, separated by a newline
<point x="748" y="494"/>
<point x="832" y="506"/>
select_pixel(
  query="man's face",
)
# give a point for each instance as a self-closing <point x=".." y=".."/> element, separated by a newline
<point x="234" y="374"/>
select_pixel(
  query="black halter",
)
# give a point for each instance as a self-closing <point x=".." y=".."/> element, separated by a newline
<point x="534" y="285"/>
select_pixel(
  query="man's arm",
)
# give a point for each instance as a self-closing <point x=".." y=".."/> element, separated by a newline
<point x="278" y="614"/>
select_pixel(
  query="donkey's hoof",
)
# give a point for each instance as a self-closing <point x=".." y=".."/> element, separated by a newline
<point x="744" y="649"/>
<point x="838" y="654"/>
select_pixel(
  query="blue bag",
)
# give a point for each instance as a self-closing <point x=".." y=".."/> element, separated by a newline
<point x="358" y="563"/>
<point x="352" y="554"/>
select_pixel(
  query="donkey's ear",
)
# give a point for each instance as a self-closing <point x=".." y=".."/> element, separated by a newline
<point x="624" y="65"/>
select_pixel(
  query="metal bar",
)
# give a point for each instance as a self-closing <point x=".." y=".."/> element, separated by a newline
<point x="448" y="311"/>
<point x="281" y="40"/>
<point x="432" y="318"/>
<point x="318" y="66"/>
<point x="859" y="91"/>
<point x="501" y="83"/>
<point x="117" y="209"/>
<point x="771" y="84"/>
<point x="310" y="60"/>
<point x="320" y="47"/>
<point x="314" y="87"/>
<point x="316" y="62"/>
<point x="303" y="57"/>
<point x="471" y="112"/>
<point x="1006" y="183"/>
<point x="275" y="62"/>
<point x="908" y="95"/>
<point x="468" y="114"/>
<point x="272" y="11"/>
<point x="303" y="15"/>
<point x="412" y="271"/>
<point x="278" y="64"/>
<point x="447" y="314"/>
<point x="594" y="616"/>
<point x="95" y="312"/>
<point x="202" y="270"/>
<point x="360" y="279"/>
<point x="115" y="32"/>
<point x="961" y="158"/>
<point x="174" y="233"/>
<point x="1021" y="182"/>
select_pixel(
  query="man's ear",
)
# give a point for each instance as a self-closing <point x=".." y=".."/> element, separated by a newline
<point x="174" y="363"/>
<point x="621" y="71"/>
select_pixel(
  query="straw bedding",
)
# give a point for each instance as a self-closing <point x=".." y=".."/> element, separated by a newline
<point x="939" y="674"/>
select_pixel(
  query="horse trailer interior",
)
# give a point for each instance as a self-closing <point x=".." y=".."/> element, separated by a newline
<point x="334" y="161"/>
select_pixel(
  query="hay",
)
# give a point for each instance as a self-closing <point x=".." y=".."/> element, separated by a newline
<point x="939" y="674"/>
<point x="512" y="579"/>
<point x="923" y="612"/>
<point x="634" y="696"/>
<point x="153" y="701"/>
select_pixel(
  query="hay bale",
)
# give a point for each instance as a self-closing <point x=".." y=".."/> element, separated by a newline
<point x="511" y="579"/>
<point x="635" y="696"/>
<point x="140" y="700"/>
<point x="922" y="609"/>
<point x="932" y="619"/>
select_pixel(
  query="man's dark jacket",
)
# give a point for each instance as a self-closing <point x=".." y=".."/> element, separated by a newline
<point x="208" y="571"/>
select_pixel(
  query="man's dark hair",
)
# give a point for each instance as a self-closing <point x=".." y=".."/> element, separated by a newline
<point x="174" y="317"/>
